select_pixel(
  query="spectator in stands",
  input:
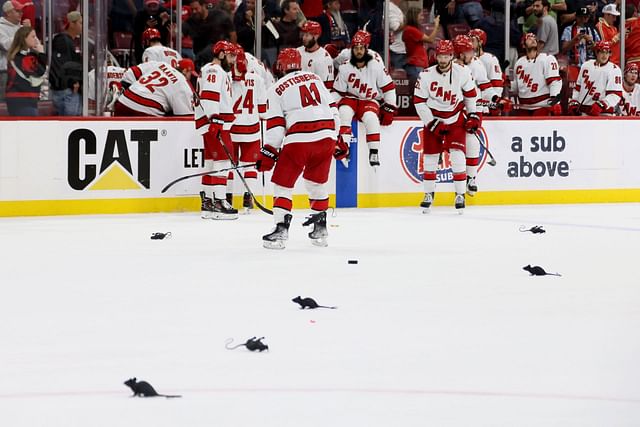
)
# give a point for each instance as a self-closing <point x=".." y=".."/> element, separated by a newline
<point x="289" y="26"/>
<point x="414" y="40"/>
<point x="27" y="65"/>
<point x="151" y="16"/>
<point x="207" y="26"/>
<point x="532" y="19"/>
<point x="245" y="24"/>
<point x="469" y="11"/>
<point x="121" y="15"/>
<point x="398" y="51"/>
<point x="578" y="39"/>
<point x="65" y="72"/>
<point x="334" y="29"/>
<point x="632" y="38"/>
<point x="607" y="28"/>
<point x="548" y="41"/>
<point x="493" y="26"/>
<point x="9" y="24"/>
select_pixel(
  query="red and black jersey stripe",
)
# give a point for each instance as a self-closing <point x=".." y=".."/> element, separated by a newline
<point x="470" y="93"/>
<point x="150" y="103"/>
<point x="447" y="114"/>
<point x="552" y="79"/>
<point x="389" y="86"/>
<point x="245" y="129"/>
<point x="311" y="127"/>
<point x="534" y="100"/>
<point x="210" y="95"/>
<point x="274" y="122"/>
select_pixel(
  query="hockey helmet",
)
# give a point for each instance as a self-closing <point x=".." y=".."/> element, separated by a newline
<point x="479" y="34"/>
<point x="150" y="34"/>
<point x="444" y="47"/>
<point x="602" y="45"/>
<point x="462" y="43"/>
<point x="331" y="49"/>
<point x="362" y="38"/>
<point x="223" y="46"/>
<point x="631" y="68"/>
<point x="311" y="27"/>
<point x="238" y="72"/>
<point x="289" y="59"/>
<point x="186" y="64"/>
<point x="525" y="37"/>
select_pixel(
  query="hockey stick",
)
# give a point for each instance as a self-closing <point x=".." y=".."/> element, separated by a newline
<point x="246" y="186"/>
<point x="195" y="175"/>
<point x="492" y="160"/>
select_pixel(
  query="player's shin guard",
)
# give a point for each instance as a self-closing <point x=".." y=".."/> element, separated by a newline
<point x="319" y="202"/>
<point x="458" y="167"/>
<point x="473" y="160"/>
<point x="429" y="180"/>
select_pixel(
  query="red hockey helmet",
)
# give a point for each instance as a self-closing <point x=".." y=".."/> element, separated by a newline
<point x="311" y="27"/>
<point x="331" y="49"/>
<point x="223" y="46"/>
<point x="444" y="47"/>
<point x="602" y="45"/>
<point x="462" y="44"/>
<point x="187" y="64"/>
<point x="289" y="59"/>
<point x="150" y="34"/>
<point x="361" y="38"/>
<point x="479" y="34"/>
<point x="632" y="67"/>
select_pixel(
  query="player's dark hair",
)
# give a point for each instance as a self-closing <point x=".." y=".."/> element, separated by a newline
<point x="366" y="58"/>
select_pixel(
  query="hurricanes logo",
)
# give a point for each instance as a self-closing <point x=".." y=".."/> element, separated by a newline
<point x="116" y="171"/>
<point x="412" y="161"/>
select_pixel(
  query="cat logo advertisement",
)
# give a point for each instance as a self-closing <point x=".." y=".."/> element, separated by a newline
<point x="412" y="161"/>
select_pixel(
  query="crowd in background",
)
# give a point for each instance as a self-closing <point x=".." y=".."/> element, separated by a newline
<point x="566" y="29"/>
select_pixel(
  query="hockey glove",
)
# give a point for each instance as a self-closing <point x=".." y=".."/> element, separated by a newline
<point x="573" y="108"/>
<point x="267" y="159"/>
<point x="472" y="123"/>
<point x="387" y="112"/>
<point x="554" y="100"/>
<point x="556" y="110"/>
<point x="341" y="150"/>
<point x="597" y="108"/>
<point x="500" y="104"/>
<point x="436" y="127"/>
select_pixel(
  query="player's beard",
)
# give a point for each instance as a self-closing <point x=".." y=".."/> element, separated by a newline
<point x="365" y="58"/>
<point x="310" y="44"/>
<point x="225" y="64"/>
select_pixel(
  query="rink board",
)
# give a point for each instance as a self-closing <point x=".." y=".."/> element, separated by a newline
<point x="51" y="167"/>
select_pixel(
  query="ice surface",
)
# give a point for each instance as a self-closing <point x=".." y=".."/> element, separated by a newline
<point x="437" y="325"/>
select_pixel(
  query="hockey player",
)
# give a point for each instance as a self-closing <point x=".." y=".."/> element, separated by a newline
<point x="598" y="89"/>
<point x="249" y="105"/>
<point x="214" y="117"/>
<point x="631" y="94"/>
<point x="464" y="51"/>
<point x="314" y="58"/>
<point x="490" y="62"/>
<point x="161" y="91"/>
<point x="537" y="81"/>
<point x="445" y="98"/>
<point x="367" y="92"/>
<point x="255" y="65"/>
<point x="302" y="127"/>
<point x="155" y="51"/>
<point x="344" y="55"/>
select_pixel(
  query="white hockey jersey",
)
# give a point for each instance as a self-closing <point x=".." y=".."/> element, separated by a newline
<point x="536" y="80"/>
<point x="598" y="83"/>
<point x="249" y="105"/>
<point x="318" y="62"/>
<point x="300" y="109"/>
<point x="630" y="105"/>
<point x="214" y="98"/>
<point x="133" y="73"/>
<point x="255" y="65"/>
<point x="113" y="77"/>
<point x="494" y="71"/>
<point x="345" y="55"/>
<point x="161" y="54"/>
<point x="371" y="82"/>
<point x="162" y="91"/>
<point x="486" y="91"/>
<point x="444" y="96"/>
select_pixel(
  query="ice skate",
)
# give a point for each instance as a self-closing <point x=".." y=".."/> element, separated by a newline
<point x="206" y="206"/>
<point x="426" y="203"/>
<point x="223" y="210"/>
<point x="374" y="157"/>
<point x="277" y="238"/>
<point x="460" y="203"/>
<point x="247" y="203"/>
<point x="472" y="187"/>
<point x="229" y="198"/>
<point x="319" y="234"/>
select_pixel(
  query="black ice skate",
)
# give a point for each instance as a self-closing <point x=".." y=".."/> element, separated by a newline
<point x="319" y="234"/>
<point x="460" y="203"/>
<point x="276" y="239"/>
<point x="427" y="202"/>
<point x="206" y="206"/>
<point x="223" y="210"/>
<point x="229" y="198"/>
<point x="374" y="157"/>
<point x="472" y="187"/>
<point x="247" y="203"/>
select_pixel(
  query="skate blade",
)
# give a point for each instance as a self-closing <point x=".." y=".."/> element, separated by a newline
<point x="345" y="163"/>
<point x="426" y="211"/>
<point x="245" y="211"/>
<point x="223" y="217"/>
<point x="460" y="211"/>
<point x="321" y="242"/>
<point x="471" y="193"/>
<point x="277" y="244"/>
<point x="205" y="215"/>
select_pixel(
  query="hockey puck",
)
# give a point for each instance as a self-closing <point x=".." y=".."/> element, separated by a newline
<point x="352" y="261"/>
